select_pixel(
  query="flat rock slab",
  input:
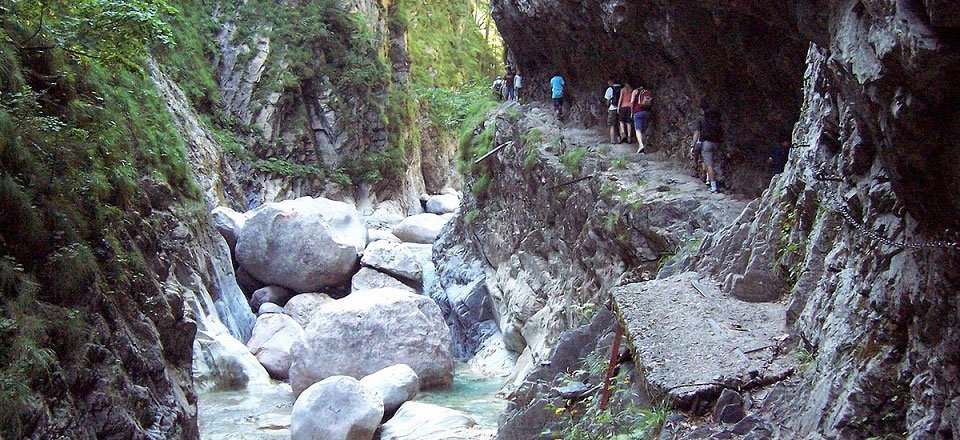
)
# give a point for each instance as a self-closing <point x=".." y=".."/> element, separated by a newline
<point x="691" y="344"/>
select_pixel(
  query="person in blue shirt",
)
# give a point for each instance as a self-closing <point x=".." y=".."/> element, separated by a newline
<point x="556" y="86"/>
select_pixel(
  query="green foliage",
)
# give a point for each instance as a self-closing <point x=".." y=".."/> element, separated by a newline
<point x="286" y="168"/>
<point x="804" y="358"/>
<point x="571" y="159"/>
<point x="470" y="216"/>
<point x="109" y="32"/>
<point x="453" y="109"/>
<point x="78" y="147"/>
<point x="620" y="163"/>
<point x="481" y="185"/>
<point x="445" y="43"/>
<point x="686" y="248"/>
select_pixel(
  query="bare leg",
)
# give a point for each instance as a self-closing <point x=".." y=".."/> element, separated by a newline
<point x="639" y="141"/>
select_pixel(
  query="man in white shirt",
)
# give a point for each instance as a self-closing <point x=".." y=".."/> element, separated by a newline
<point x="516" y="86"/>
<point x="612" y="97"/>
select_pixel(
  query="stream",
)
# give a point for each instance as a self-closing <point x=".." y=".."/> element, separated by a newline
<point x="263" y="411"/>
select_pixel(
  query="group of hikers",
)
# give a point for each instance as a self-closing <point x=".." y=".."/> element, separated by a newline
<point x="629" y="115"/>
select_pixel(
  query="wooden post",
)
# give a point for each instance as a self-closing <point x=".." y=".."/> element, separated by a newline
<point x="614" y="357"/>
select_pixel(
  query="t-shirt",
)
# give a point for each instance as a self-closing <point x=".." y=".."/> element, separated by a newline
<point x="608" y="96"/>
<point x="556" y="86"/>
<point x="509" y="79"/>
<point x="516" y="81"/>
<point x="709" y="127"/>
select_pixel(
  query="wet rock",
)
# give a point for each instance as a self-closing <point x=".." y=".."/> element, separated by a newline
<point x="337" y="408"/>
<point x="270" y="294"/>
<point x="443" y="203"/>
<point x="382" y="327"/>
<point x="415" y="420"/>
<point x="420" y="228"/>
<point x="729" y="407"/>
<point x="396" y="384"/>
<point x="302" y="307"/>
<point x="394" y="259"/>
<point x="271" y="343"/>
<point x="222" y="362"/>
<point x="266" y="308"/>
<point x="302" y="244"/>
<point x="368" y="278"/>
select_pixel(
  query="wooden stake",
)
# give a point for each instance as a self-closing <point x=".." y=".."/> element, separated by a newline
<point x="614" y="357"/>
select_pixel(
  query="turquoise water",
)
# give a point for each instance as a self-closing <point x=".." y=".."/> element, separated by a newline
<point x="472" y="394"/>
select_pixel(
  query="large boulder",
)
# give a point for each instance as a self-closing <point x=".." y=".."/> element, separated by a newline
<point x="302" y="244"/>
<point x="443" y="203"/>
<point x="415" y="420"/>
<point x="303" y="306"/>
<point x="222" y="362"/>
<point x="272" y="341"/>
<point x="337" y="408"/>
<point x="368" y="278"/>
<point x="420" y="228"/>
<point x="370" y="330"/>
<point x="270" y="294"/>
<point x="394" y="259"/>
<point x="228" y="223"/>
<point x="396" y="384"/>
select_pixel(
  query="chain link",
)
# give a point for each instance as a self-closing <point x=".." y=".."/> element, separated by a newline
<point x="840" y="207"/>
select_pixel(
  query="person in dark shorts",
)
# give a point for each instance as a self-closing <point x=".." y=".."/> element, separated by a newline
<point x="641" y="114"/>
<point x="556" y="91"/>
<point x="611" y="97"/>
<point x="508" y="81"/>
<point x="626" y="114"/>
<point x="710" y="132"/>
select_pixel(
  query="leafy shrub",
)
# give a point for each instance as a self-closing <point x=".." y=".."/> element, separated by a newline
<point x="571" y="159"/>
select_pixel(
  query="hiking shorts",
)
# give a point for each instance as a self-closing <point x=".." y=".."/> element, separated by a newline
<point x="641" y="120"/>
<point x="612" y="118"/>
<point x="626" y="115"/>
<point x="710" y="149"/>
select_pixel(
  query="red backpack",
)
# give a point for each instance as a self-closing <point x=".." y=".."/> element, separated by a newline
<point x="642" y="99"/>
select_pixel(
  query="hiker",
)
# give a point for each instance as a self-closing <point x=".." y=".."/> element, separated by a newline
<point x="556" y="89"/>
<point x="509" y="81"/>
<point x="779" y="155"/>
<point x="611" y="96"/>
<point x="642" y="102"/>
<point x="710" y="132"/>
<point x="626" y="114"/>
<point x="517" y="83"/>
<point x="498" y="88"/>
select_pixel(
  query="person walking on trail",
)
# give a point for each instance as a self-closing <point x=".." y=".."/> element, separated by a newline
<point x="779" y="155"/>
<point x="626" y="114"/>
<point x="556" y="88"/>
<point x="642" y="100"/>
<point x="611" y="97"/>
<point x="497" y="88"/>
<point x="509" y="79"/>
<point x="517" y="84"/>
<point x="710" y="132"/>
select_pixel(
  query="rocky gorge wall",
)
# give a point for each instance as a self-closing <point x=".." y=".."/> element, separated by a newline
<point x="856" y="236"/>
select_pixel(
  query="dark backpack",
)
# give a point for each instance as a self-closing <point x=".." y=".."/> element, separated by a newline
<point x="712" y="129"/>
<point x="615" y="101"/>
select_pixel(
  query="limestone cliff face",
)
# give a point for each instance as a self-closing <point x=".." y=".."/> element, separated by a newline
<point x="744" y="57"/>
<point x="855" y="235"/>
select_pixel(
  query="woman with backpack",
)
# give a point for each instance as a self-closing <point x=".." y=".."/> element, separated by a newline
<point x="642" y="102"/>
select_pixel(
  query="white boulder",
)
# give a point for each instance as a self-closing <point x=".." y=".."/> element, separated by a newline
<point x="420" y="228"/>
<point x="302" y="244"/>
<point x="415" y="420"/>
<point x="270" y="294"/>
<point x="272" y="341"/>
<point x="269" y="308"/>
<point x="443" y="203"/>
<point x="394" y="259"/>
<point x="337" y="408"/>
<point x="302" y="307"/>
<point x="222" y="362"/>
<point x="368" y="278"/>
<point x="380" y="234"/>
<point x="370" y="330"/>
<point x="228" y="223"/>
<point x="396" y="384"/>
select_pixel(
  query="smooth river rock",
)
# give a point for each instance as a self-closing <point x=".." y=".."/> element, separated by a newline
<point x="393" y="258"/>
<point x="368" y="278"/>
<point x="302" y="244"/>
<point x="302" y="307"/>
<point x="272" y="340"/>
<point x="415" y="420"/>
<point x="420" y="228"/>
<point x="443" y="203"/>
<point x="370" y="330"/>
<point x="337" y="408"/>
<point x="228" y="223"/>
<point x="270" y="294"/>
<point x="396" y="384"/>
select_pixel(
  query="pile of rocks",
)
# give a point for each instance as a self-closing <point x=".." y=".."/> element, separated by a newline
<point x="340" y="314"/>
